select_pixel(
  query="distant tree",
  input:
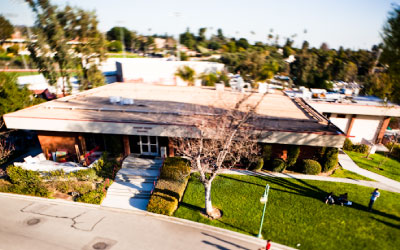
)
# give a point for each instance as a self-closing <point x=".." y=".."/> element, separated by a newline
<point x="220" y="35"/>
<point x="12" y="97"/>
<point x="55" y="57"/>
<point x="242" y="43"/>
<point x="324" y="47"/>
<point x="81" y="25"/>
<point x="51" y="52"/>
<point x="6" y="28"/>
<point x="202" y="35"/>
<point x="187" y="39"/>
<point x="120" y="34"/>
<point x="114" y="46"/>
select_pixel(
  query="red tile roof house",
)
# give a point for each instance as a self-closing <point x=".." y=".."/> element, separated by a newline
<point x="154" y="114"/>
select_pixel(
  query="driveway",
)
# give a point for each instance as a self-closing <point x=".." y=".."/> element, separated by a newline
<point x="32" y="223"/>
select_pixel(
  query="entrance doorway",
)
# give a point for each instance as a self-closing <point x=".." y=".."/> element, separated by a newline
<point x="148" y="145"/>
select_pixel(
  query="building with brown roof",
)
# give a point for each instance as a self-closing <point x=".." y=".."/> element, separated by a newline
<point x="141" y="118"/>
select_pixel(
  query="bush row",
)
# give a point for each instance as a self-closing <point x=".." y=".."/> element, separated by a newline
<point x="170" y="187"/>
<point x="359" y="148"/>
<point x="326" y="157"/>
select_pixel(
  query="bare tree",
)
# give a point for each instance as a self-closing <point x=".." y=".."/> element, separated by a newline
<point x="224" y="138"/>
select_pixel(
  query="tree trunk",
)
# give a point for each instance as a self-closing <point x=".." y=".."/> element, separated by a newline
<point x="208" y="204"/>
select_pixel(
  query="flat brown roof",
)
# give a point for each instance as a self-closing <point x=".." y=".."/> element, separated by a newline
<point x="156" y="104"/>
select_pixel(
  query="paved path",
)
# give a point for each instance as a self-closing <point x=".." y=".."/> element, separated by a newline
<point x="347" y="163"/>
<point x="133" y="183"/>
<point x="42" y="224"/>
<point x="372" y="184"/>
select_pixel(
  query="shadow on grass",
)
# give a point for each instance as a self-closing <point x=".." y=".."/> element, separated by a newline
<point x="308" y="190"/>
<point x="228" y="242"/>
<point x="396" y="226"/>
<point x="232" y="226"/>
<point x="190" y="206"/>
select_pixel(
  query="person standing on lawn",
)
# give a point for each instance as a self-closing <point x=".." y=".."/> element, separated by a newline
<point x="374" y="196"/>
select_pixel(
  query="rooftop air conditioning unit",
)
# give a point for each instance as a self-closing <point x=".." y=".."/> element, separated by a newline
<point x="127" y="101"/>
<point x="115" y="99"/>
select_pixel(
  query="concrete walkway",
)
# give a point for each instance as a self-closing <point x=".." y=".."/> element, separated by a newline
<point x="347" y="163"/>
<point x="372" y="184"/>
<point x="133" y="184"/>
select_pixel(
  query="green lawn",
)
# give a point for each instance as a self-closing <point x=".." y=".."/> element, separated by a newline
<point x="24" y="73"/>
<point x="343" y="173"/>
<point x="390" y="167"/>
<point x="120" y="55"/>
<point x="296" y="213"/>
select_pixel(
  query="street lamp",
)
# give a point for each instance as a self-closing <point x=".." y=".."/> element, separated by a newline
<point x="263" y="200"/>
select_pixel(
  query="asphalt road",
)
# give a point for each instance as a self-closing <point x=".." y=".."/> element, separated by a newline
<point x="47" y="225"/>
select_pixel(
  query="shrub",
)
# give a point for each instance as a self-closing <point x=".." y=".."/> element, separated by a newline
<point x="260" y="164"/>
<point x="267" y="152"/>
<point x="278" y="165"/>
<point x="82" y="187"/>
<point x="63" y="186"/>
<point x="93" y="197"/>
<point x="26" y="182"/>
<point x="330" y="159"/>
<point x="166" y="196"/>
<point x="85" y="174"/>
<point x="395" y="151"/>
<point x="360" y="148"/>
<point x="293" y="154"/>
<point x="106" y="167"/>
<point x="311" y="167"/>
<point x="348" y="145"/>
<point x="4" y="185"/>
<point x="170" y="187"/>
<point x="175" y="168"/>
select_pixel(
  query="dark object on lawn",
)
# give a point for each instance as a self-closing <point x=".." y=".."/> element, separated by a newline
<point x="341" y="200"/>
<point x="330" y="199"/>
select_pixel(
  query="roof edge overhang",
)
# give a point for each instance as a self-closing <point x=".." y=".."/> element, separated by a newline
<point x="308" y="138"/>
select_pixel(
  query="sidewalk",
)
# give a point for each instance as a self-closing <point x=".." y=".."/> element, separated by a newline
<point x="347" y="163"/>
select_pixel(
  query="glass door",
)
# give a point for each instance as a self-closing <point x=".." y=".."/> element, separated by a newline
<point x="148" y="145"/>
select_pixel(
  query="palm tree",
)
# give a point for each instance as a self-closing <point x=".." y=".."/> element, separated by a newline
<point x="187" y="74"/>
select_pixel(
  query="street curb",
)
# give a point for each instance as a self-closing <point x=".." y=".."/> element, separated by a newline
<point x="212" y="229"/>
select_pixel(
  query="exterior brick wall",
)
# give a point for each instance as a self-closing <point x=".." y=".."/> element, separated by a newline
<point x="53" y="141"/>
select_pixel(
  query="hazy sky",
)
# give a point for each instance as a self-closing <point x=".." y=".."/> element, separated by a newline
<point x="351" y="23"/>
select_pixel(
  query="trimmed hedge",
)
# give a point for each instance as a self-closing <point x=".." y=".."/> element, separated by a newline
<point x="175" y="169"/>
<point x="170" y="187"/>
<point x="278" y="165"/>
<point x="293" y="154"/>
<point x="330" y="159"/>
<point x="267" y="152"/>
<point x="311" y="167"/>
<point x="260" y="165"/>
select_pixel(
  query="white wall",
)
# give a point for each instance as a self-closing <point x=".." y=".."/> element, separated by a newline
<point x="161" y="71"/>
<point x="342" y="123"/>
<point x="366" y="127"/>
